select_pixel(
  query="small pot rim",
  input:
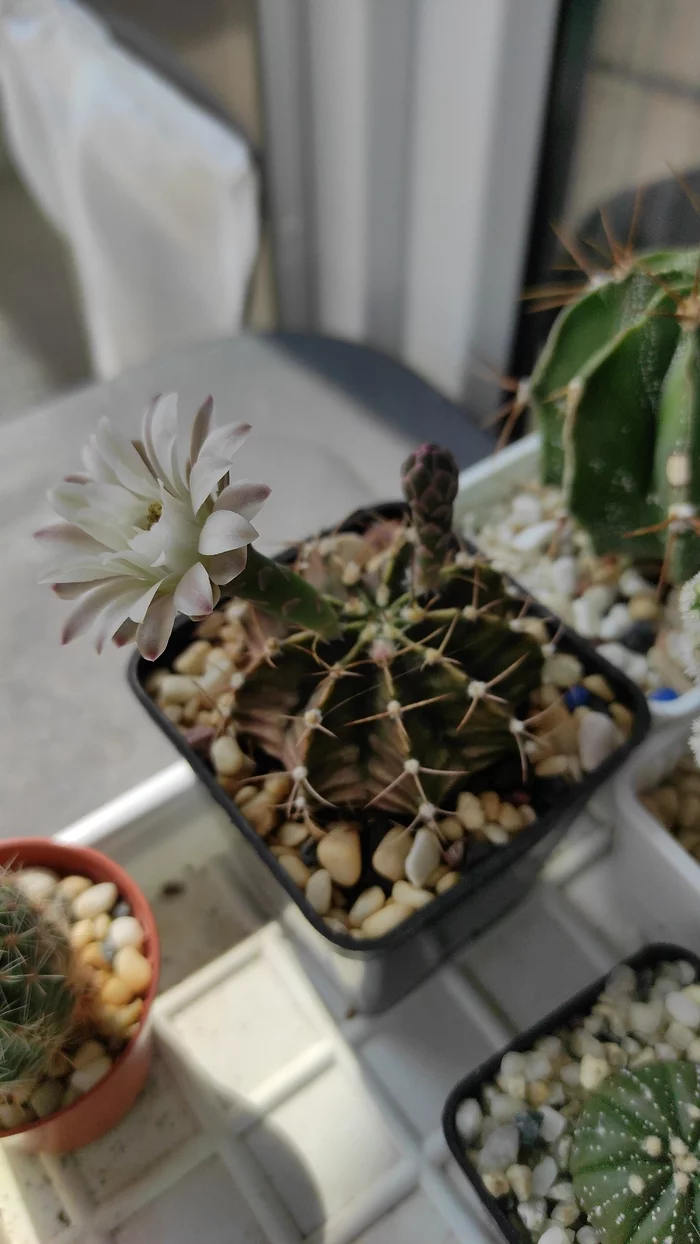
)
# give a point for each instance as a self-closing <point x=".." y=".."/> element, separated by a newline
<point x="491" y="864"/>
<point x="127" y="888"/>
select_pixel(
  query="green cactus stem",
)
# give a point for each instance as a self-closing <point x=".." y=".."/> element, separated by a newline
<point x="616" y="394"/>
<point x="37" y="1003"/>
<point x="283" y="594"/>
<point x="430" y="478"/>
<point x="635" y="1158"/>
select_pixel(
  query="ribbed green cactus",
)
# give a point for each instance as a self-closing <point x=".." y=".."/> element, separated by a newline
<point x="37" y="1002"/>
<point x="635" y="1158"/>
<point x="426" y="682"/>
<point x="616" y="393"/>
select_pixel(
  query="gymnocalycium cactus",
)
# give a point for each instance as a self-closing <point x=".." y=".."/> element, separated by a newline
<point x="616" y="394"/>
<point x="425" y="681"/>
<point x="37" y="1001"/>
<point x="635" y="1158"/>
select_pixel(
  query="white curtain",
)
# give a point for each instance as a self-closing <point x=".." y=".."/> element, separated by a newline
<point x="157" y="199"/>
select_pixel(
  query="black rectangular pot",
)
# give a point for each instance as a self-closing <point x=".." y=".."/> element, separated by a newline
<point x="372" y="975"/>
<point x="563" y="1017"/>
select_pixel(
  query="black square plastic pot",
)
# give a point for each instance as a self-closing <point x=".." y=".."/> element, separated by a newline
<point x="563" y="1017"/>
<point x="374" y="974"/>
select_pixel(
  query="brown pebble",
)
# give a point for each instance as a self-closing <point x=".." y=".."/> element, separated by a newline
<point x="277" y="787"/>
<point x="390" y="856"/>
<point x="666" y="800"/>
<point x="491" y="803"/>
<point x="340" y="852"/>
<point x="447" y="882"/>
<point x="192" y="660"/>
<point x="261" y="813"/>
<point x="292" y="834"/>
<point x="92" y="955"/>
<point x="295" y="868"/>
<point x="527" y="814"/>
<point x="689" y="812"/>
<point x="451" y="829"/>
<point x="116" y="991"/>
<point x="597" y="685"/>
<point x="623" y="718"/>
<point x="88" y="1052"/>
<point x="436" y="875"/>
<point x="549" y="694"/>
<point x="81" y="933"/>
<point x="553" y="766"/>
<point x="509" y="817"/>
<point x="245" y="794"/>
<point x="644" y="607"/>
<point x="102" y="923"/>
<point x="211" y="625"/>
<point x="133" y="967"/>
<point x="70" y="887"/>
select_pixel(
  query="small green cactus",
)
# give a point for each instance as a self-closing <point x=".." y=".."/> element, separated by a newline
<point x="635" y="1158"/>
<point x="37" y="1002"/>
<point x="426" y="682"/>
<point x="616" y="395"/>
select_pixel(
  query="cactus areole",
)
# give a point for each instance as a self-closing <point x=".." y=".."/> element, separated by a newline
<point x="635" y="1158"/>
<point x="423" y="680"/>
<point x="616" y="393"/>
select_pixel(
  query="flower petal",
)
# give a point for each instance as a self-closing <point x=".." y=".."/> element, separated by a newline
<point x="243" y="497"/>
<point x="142" y="601"/>
<point x="91" y="606"/>
<point x="154" y="632"/>
<point x="70" y="591"/>
<point x="223" y="442"/>
<point x="69" y="540"/>
<point x="126" y="633"/>
<point x="125" y="461"/>
<point x="200" y="428"/>
<point x="226" y="566"/>
<point x="193" y="594"/>
<point x="223" y="531"/>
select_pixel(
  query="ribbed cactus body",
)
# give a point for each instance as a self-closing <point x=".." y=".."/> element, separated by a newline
<point x="616" y="393"/>
<point x="427" y="682"/>
<point x="36" y="1000"/>
<point x="635" y="1159"/>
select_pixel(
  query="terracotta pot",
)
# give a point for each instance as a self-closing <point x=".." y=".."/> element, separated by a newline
<point x="103" y="1106"/>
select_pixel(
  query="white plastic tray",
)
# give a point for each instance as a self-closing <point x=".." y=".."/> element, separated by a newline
<point x="271" y="1116"/>
<point x="660" y="880"/>
<point x="494" y="479"/>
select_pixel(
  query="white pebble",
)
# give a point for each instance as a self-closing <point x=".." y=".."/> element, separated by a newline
<point x="563" y="669"/>
<point x="645" y="1017"/>
<point x="468" y="1120"/>
<point x="683" y="1008"/>
<point x="500" y="1150"/>
<point x="554" y="1235"/>
<point x="564" y="574"/>
<point x="597" y="739"/>
<point x="94" y="901"/>
<point x="615" y="623"/>
<point x="543" y="1176"/>
<point x="587" y="1235"/>
<point x="178" y="689"/>
<point x="637" y="667"/>
<point x="125" y="931"/>
<point x="412" y="896"/>
<point x="534" y="537"/>
<point x="563" y="1190"/>
<point x="552" y="1125"/>
<point x="631" y="583"/>
<point x="37" y="884"/>
<point x="423" y="858"/>
<point x="386" y="919"/>
<point x="520" y="1179"/>
<point x="319" y="891"/>
<point x="551" y="1046"/>
<point x="526" y="509"/>
<point x="70" y="887"/>
<point x="226" y="756"/>
<point x="593" y="1071"/>
<point x="585" y="618"/>
<point x="504" y="1107"/>
<point x="533" y="1214"/>
<point x="679" y="1036"/>
<point x="616" y="654"/>
<point x="12" y="1115"/>
<point x="87" y="1077"/>
<point x="369" y="902"/>
<point x="537" y="1065"/>
<point x="565" y="1213"/>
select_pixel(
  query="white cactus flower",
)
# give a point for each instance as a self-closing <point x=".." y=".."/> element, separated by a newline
<point x="152" y="527"/>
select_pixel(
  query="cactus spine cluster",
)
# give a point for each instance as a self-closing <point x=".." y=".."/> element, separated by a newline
<point x="616" y="394"/>
<point x="426" y="680"/>
<point x="37" y="1003"/>
<point x="635" y="1158"/>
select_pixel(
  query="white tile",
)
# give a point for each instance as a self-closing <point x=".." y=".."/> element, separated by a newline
<point x="204" y="1206"/>
<point x="30" y="1210"/>
<point x="245" y="1028"/>
<point x="197" y="921"/>
<point x="529" y="963"/>
<point x="323" y="1148"/>
<point x="420" y="1049"/>
<point x="157" y="1124"/>
<point x="415" y="1221"/>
